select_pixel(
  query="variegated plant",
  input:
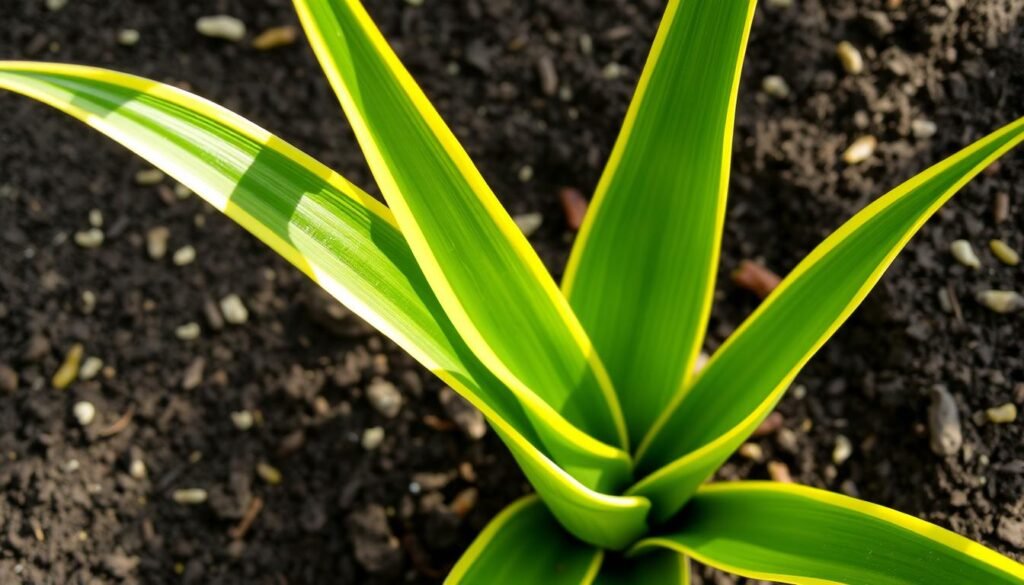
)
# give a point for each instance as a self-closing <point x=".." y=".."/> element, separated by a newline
<point x="591" y="386"/>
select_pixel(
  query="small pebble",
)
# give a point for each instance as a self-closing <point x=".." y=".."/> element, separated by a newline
<point x="55" y="5"/>
<point x="88" y="302"/>
<point x="850" y="57"/>
<point x="612" y="71"/>
<point x="95" y="218"/>
<point x="184" y="256"/>
<point x="529" y="223"/>
<point x="190" y="496"/>
<point x="780" y="3"/>
<point x="860" y="150"/>
<point x="372" y="438"/>
<point x="963" y="251"/>
<point x="574" y="205"/>
<point x="90" y="238"/>
<point x="242" y="419"/>
<point x="156" y="242"/>
<point x="8" y="379"/>
<point x="1001" y="301"/>
<point x="128" y="37"/>
<point x="756" y="278"/>
<point x="842" y="450"/>
<point x="268" y="473"/>
<point x="149" y="177"/>
<point x="464" y="501"/>
<point x="221" y="26"/>
<point x="1006" y="413"/>
<point x="1004" y="252"/>
<point x="234" y="310"/>
<point x="944" y="422"/>
<point x="384" y="397"/>
<point x="775" y="86"/>
<point x="772" y="423"/>
<point x="182" y="192"/>
<point x="90" y="368"/>
<point x="275" y="37"/>
<point x="548" y="75"/>
<point x="1001" y="207"/>
<point x="751" y="451"/>
<point x="68" y="371"/>
<point x="193" y="375"/>
<point x="414" y="2"/>
<point x="525" y="174"/>
<point x="779" y="472"/>
<point x="85" y="412"/>
<point x="137" y="469"/>
<point x="470" y="420"/>
<point x="923" y="128"/>
<point x="188" y="331"/>
<point x="586" y="43"/>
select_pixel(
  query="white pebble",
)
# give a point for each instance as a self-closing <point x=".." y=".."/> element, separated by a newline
<point x="1004" y="252"/>
<point x="234" y="309"/>
<point x="384" y="397"/>
<point x="1001" y="301"/>
<point x="861" y="150"/>
<point x="529" y="223"/>
<point x="242" y="419"/>
<point x="221" y="26"/>
<point x="55" y="5"/>
<point x="923" y="128"/>
<point x="84" y="412"/>
<point x="127" y="37"/>
<point x="95" y="218"/>
<point x="525" y="173"/>
<point x="149" y="177"/>
<point x="90" y="367"/>
<point x="88" y="301"/>
<point x="964" y="254"/>
<point x="137" y="469"/>
<point x="184" y="255"/>
<point x="372" y="438"/>
<point x="775" y="86"/>
<point x="182" y="192"/>
<point x="156" y="242"/>
<point x="187" y="332"/>
<point x="190" y="497"/>
<point x="90" y="238"/>
<point x="612" y="71"/>
<point x="842" y="450"/>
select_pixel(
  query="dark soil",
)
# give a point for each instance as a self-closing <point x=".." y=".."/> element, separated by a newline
<point x="70" y="511"/>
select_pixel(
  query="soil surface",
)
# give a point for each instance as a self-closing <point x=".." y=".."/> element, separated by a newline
<point x="104" y="503"/>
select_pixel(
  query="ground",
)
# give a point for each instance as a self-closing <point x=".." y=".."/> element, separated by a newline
<point x="75" y="509"/>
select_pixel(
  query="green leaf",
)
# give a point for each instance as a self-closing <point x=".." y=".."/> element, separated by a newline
<point x="485" y="274"/>
<point x="525" y="544"/>
<point x="342" y="239"/>
<point x="796" y="534"/>
<point x="642" y="272"/>
<point x="657" y="567"/>
<point x="746" y="377"/>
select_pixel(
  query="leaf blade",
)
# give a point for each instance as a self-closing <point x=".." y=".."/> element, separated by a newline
<point x="524" y="544"/>
<point x="284" y="196"/>
<point x="642" y="271"/>
<point x="742" y="382"/>
<point x="481" y="267"/>
<point x="797" y="534"/>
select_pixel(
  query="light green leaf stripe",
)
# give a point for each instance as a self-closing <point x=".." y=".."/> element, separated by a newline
<point x="657" y="567"/>
<point x="642" y="272"/>
<point x="485" y="274"/>
<point x="525" y="544"/>
<point x="796" y="534"/>
<point x="332" y="231"/>
<point x="749" y="373"/>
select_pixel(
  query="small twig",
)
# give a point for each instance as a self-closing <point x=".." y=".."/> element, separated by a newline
<point x="255" y="506"/>
<point x="120" y="424"/>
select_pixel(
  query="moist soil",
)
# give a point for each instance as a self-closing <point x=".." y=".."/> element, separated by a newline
<point x="75" y="509"/>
